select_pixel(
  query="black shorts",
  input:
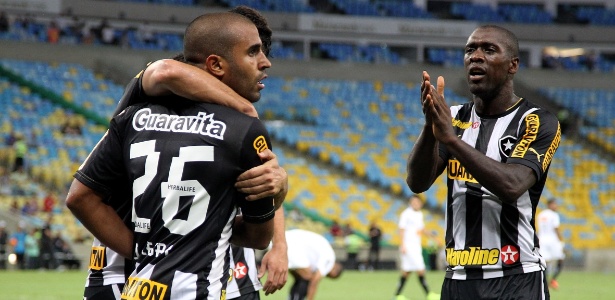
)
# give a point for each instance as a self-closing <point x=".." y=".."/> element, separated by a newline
<point x="105" y="292"/>
<point x="249" y="296"/>
<point x="529" y="286"/>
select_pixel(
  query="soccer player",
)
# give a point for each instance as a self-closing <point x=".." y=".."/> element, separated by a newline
<point x="551" y="242"/>
<point x="497" y="151"/>
<point x="166" y="245"/>
<point x="170" y="76"/>
<point x="310" y="258"/>
<point x="411" y="228"/>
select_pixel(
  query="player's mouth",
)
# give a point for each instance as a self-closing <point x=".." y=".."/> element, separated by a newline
<point x="476" y="73"/>
<point x="260" y="83"/>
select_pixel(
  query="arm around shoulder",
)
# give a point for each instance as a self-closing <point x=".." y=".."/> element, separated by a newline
<point x="169" y="76"/>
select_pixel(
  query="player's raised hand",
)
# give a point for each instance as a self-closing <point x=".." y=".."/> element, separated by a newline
<point x="266" y="180"/>
<point x="436" y="110"/>
<point x="426" y="88"/>
<point x="275" y="264"/>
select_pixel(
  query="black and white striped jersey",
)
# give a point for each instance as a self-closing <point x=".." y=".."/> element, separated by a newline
<point x="182" y="161"/>
<point x="486" y="238"/>
<point x="106" y="266"/>
<point x="244" y="273"/>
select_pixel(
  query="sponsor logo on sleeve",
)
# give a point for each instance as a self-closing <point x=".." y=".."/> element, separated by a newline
<point x="552" y="148"/>
<point x="141" y="288"/>
<point x="532" y="123"/>
<point x="536" y="153"/>
<point x="260" y="144"/>
<point x="97" y="258"/>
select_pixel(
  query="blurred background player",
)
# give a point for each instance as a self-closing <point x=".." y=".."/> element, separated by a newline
<point x="310" y="258"/>
<point x="551" y="241"/>
<point x="411" y="228"/>
<point x="375" y="235"/>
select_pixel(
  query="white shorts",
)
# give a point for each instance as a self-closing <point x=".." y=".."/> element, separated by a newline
<point x="412" y="260"/>
<point x="552" y="250"/>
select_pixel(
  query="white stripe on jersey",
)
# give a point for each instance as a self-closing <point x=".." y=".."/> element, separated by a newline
<point x="112" y="271"/>
<point x="116" y="291"/>
<point x="232" y="290"/>
<point x="217" y="268"/>
<point x="184" y="286"/>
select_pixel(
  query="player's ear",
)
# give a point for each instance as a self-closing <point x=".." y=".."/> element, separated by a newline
<point x="514" y="65"/>
<point x="215" y="64"/>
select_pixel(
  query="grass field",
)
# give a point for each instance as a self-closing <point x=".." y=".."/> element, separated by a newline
<point x="51" y="285"/>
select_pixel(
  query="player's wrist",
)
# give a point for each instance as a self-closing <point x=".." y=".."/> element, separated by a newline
<point x="258" y="211"/>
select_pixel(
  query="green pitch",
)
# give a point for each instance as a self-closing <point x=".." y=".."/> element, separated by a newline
<point x="52" y="285"/>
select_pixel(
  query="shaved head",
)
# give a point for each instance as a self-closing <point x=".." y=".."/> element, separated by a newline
<point x="511" y="41"/>
<point x="213" y="34"/>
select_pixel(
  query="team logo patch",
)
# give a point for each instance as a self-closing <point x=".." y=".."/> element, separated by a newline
<point x="260" y="144"/>
<point x="509" y="254"/>
<point x="97" y="258"/>
<point x="240" y="271"/>
<point x="506" y="144"/>
<point x="141" y="288"/>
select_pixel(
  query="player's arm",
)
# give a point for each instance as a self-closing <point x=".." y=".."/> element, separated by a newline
<point x="402" y="246"/>
<point x="313" y="285"/>
<point x="168" y="76"/>
<point x="507" y="181"/>
<point x="266" y="180"/>
<point x="252" y="234"/>
<point x="275" y="261"/>
<point x="255" y="228"/>
<point x="424" y="162"/>
<point x="558" y="233"/>
<point x="100" y="219"/>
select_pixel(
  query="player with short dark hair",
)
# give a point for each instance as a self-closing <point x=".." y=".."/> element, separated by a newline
<point x="497" y="151"/>
<point x="108" y="270"/>
<point x="167" y="161"/>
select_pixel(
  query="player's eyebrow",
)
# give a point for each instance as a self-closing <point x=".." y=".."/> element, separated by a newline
<point x="255" y="47"/>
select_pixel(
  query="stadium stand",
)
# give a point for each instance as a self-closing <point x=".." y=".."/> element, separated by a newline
<point x="347" y="140"/>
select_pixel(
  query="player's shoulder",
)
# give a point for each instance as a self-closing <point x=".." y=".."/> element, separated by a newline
<point x="228" y="113"/>
<point x="541" y="112"/>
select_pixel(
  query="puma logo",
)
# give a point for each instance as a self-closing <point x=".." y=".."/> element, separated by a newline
<point x="537" y="155"/>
